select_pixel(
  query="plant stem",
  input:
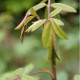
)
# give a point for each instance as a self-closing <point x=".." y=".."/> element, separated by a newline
<point x="49" y="8"/>
<point x="53" y="67"/>
<point x="42" y="71"/>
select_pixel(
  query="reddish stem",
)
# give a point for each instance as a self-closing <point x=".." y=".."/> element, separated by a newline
<point x="43" y="71"/>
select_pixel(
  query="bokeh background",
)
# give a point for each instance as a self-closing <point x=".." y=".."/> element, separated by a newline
<point x="14" y="55"/>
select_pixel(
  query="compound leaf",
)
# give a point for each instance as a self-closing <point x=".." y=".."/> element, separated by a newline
<point x="55" y="12"/>
<point x="64" y="7"/>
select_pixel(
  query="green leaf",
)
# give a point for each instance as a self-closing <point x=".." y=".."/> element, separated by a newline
<point x="22" y="33"/>
<point x="2" y="78"/>
<point x="58" y="16"/>
<point x="46" y="35"/>
<point x="33" y="12"/>
<point x="22" y="23"/>
<point x="43" y="1"/>
<point x="59" y="22"/>
<point x="58" y="30"/>
<point x="50" y="45"/>
<point x="28" y="19"/>
<point x="55" y="12"/>
<point x="64" y="7"/>
<point x="77" y="77"/>
<point x="36" y="25"/>
<point x="19" y="71"/>
<point x="46" y="12"/>
<point x="56" y="46"/>
<point x="37" y="7"/>
<point x="28" y="78"/>
<point x="28" y="68"/>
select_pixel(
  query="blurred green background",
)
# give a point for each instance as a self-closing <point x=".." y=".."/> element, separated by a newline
<point x="14" y="55"/>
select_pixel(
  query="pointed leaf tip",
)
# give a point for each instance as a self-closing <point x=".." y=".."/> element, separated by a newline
<point x="33" y="12"/>
<point x="22" y="23"/>
<point x="58" y="30"/>
<point x="37" y="7"/>
<point x="64" y="7"/>
<point x="36" y="25"/>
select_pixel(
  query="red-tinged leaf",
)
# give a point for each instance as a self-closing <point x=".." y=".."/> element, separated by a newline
<point x="58" y="30"/>
<point x="64" y="7"/>
<point x="46" y="35"/>
<point x="37" y="7"/>
<point x="36" y="25"/>
<point x="22" y="34"/>
<point x="22" y="23"/>
<point x="28" y="19"/>
<point x="55" y="12"/>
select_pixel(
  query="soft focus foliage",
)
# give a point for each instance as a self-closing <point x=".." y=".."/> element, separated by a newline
<point x="15" y="55"/>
